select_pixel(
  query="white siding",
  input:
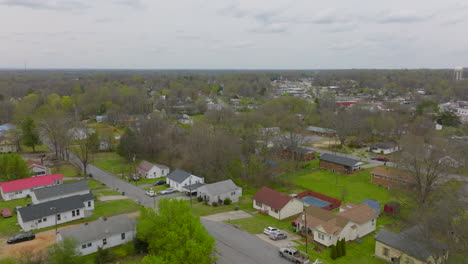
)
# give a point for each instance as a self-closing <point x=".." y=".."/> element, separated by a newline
<point x="16" y="195"/>
<point x="180" y="186"/>
<point x="156" y="172"/>
<point x="293" y="207"/>
<point x="111" y="241"/>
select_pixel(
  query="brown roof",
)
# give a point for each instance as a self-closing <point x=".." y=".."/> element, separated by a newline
<point x="145" y="166"/>
<point x="272" y="198"/>
<point x="359" y="214"/>
<point x="387" y="172"/>
<point x="330" y="222"/>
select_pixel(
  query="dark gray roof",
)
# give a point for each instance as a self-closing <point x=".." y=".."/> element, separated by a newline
<point x="338" y="159"/>
<point x="194" y="187"/>
<point x="178" y="175"/>
<point x="385" y="145"/>
<point x="61" y="189"/>
<point x="102" y="228"/>
<point x="37" y="211"/>
<point x="403" y="241"/>
<point x="375" y="205"/>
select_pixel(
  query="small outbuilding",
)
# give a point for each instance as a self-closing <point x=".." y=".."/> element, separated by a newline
<point x="392" y="208"/>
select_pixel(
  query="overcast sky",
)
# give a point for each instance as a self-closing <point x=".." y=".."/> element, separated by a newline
<point x="233" y="34"/>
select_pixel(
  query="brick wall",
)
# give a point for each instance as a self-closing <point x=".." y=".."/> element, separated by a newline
<point x="333" y="167"/>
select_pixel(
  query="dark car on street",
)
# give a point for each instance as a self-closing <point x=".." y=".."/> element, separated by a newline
<point x="21" y="237"/>
<point x="160" y="182"/>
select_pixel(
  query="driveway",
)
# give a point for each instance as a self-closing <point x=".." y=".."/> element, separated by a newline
<point x="281" y="243"/>
<point x="238" y="246"/>
<point x="232" y="215"/>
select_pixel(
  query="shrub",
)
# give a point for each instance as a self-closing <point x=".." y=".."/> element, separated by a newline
<point x="200" y="199"/>
<point x="338" y="248"/>
<point x="215" y="204"/>
<point x="227" y="201"/>
<point x="333" y="252"/>
<point x="343" y="249"/>
<point x="103" y="256"/>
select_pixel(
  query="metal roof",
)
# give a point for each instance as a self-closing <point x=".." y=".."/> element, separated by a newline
<point x="178" y="175"/>
<point x="41" y="210"/>
<point x="61" y="190"/>
<point x="339" y="160"/>
<point x="100" y="229"/>
<point x="220" y="187"/>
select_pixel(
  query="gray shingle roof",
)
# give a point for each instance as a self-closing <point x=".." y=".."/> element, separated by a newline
<point x="403" y="241"/>
<point x="384" y="145"/>
<point x="61" y="189"/>
<point x="178" y="175"/>
<point x="221" y="187"/>
<point x="100" y="229"/>
<point x="37" y="211"/>
<point x="194" y="187"/>
<point x="339" y="160"/>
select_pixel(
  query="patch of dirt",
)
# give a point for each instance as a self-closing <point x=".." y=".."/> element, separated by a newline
<point x="34" y="247"/>
<point x="325" y="143"/>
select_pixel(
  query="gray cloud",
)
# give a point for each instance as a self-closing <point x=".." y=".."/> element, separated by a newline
<point x="404" y="17"/>
<point x="46" y="4"/>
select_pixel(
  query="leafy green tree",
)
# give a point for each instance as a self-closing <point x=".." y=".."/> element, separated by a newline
<point x="13" y="167"/>
<point x="94" y="142"/>
<point x="427" y="106"/>
<point x="30" y="133"/>
<point x="182" y="238"/>
<point x="64" y="251"/>
<point x="448" y="119"/>
<point x="103" y="256"/>
<point x="128" y="145"/>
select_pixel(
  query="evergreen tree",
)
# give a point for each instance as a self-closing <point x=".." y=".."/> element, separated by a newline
<point x="128" y="145"/>
<point x="339" y="253"/>
<point x="333" y="254"/>
<point x="30" y="133"/>
<point x="343" y="249"/>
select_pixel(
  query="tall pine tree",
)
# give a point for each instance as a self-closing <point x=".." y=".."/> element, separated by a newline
<point x="30" y="133"/>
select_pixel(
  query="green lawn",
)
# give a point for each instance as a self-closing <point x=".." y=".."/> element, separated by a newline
<point x="112" y="162"/>
<point x="38" y="149"/>
<point x="245" y="203"/>
<point x="258" y="222"/>
<point x="67" y="170"/>
<point x="123" y="254"/>
<point x="9" y="226"/>
<point x="157" y="188"/>
<point x="357" y="187"/>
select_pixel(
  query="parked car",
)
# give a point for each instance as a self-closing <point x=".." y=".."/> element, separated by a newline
<point x="160" y="182"/>
<point x="150" y="193"/>
<point x="373" y="158"/>
<point x="168" y="191"/>
<point x="277" y="236"/>
<point x="383" y="159"/>
<point x="6" y="213"/>
<point x="267" y="231"/>
<point x="21" y="237"/>
<point x="293" y="255"/>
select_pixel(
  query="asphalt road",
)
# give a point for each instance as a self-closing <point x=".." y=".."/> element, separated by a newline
<point x="237" y="246"/>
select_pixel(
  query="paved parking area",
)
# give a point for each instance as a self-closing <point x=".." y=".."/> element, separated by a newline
<point x="232" y="215"/>
<point x="281" y="243"/>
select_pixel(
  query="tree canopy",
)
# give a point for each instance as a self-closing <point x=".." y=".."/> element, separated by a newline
<point x="13" y="167"/>
<point x="175" y="235"/>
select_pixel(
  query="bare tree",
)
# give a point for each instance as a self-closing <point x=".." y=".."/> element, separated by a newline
<point x="85" y="145"/>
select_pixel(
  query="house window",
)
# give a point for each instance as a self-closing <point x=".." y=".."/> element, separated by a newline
<point x="77" y="212"/>
<point x="275" y="210"/>
<point x="233" y="193"/>
<point x="122" y="236"/>
<point x="385" y="251"/>
<point x="89" y="244"/>
<point x="83" y="246"/>
<point x="59" y="217"/>
<point x="89" y="203"/>
<point x="104" y="241"/>
<point x="39" y="221"/>
<point x="259" y="204"/>
<point x="73" y="213"/>
<point x="44" y="219"/>
<point x="321" y="236"/>
<point x="373" y="221"/>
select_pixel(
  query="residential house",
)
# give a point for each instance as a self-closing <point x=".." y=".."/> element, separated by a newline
<point x="184" y="181"/>
<point x="298" y="153"/>
<point x="54" y="212"/>
<point x="320" y="131"/>
<point x="38" y="168"/>
<point x="403" y="247"/>
<point x="103" y="233"/>
<point x="56" y="192"/>
<point x="24" y="187"/>
<point x="338" y="164"/>
<point x="463" y="115"/>
<point x="375" y="205"/>
<point x="217" y="191"/>
<point x="384" y="147"/>
<point x="327" y="228"/>
<point x="276" y="204"/>
<point x="151" y="171"/>
<point x="6" y="145"/>
<point x="390" y="178"/>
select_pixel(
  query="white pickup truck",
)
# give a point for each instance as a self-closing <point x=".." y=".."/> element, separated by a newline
<point x="293" y="255"/>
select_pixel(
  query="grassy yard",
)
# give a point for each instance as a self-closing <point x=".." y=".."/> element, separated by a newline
<point x="121" y="254"/>
<point x="258" y="222"/>
<point x="245" y="203"/>
<point x="9" y="226"/>
<point x="67" y="170"/>
<point x="112" y="162"/>
<point x="356" y="187"/>
<point x="38" y="149"/>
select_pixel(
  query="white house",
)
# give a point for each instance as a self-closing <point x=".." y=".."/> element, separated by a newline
<point x="184" y="181"/>
<point x="59" y="191"/>
<point x="37" y="168"/>
<point x="384" y="147"/>
<point x="151" y="171"/>
<point x="103" y="233"/>
<point x="23" y="187"/>
<point x="276" y="204"/>
<point x="54" y="212"/>
<point x="217" y="191"/>
<point x="463" y="114"/>
<point x="327" y="228"/>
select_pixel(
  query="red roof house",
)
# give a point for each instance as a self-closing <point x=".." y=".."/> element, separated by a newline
<point x="276" y="204"/>
<point x="23" y="187"/>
